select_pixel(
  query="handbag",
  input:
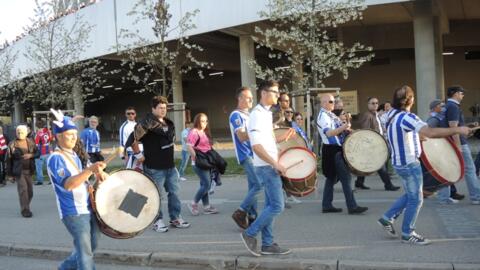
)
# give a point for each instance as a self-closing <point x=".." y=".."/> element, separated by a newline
<point x="202" y="160"/>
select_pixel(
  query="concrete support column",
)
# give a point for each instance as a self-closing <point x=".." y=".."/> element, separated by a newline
<point x="18" y="112"/>
<point x="178" y="115"/>
<point x="78" y="104"/>
<point x="299" y="103"/>
<point x="428" y="56"/>
<point x="247" y="52"/>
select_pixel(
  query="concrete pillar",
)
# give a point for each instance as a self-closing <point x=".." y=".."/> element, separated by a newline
<point x="178" y="114"/>
<point x="247" y="52"/>
<point x="428" y="56"/>
<point x="18" y="112"/>
<point x="299" y="103"/>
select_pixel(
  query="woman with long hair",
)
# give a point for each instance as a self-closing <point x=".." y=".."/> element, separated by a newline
<point x="199" y="139"/>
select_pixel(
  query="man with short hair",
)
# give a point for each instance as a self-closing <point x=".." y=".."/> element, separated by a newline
<point x="125" y="130"/>
<point x="454" y="118"/>
<point x="157" y="134"/>
<point x="43" y="138"/>
<point x="268" y="170"/>
<point x="371" y="120"/>
<point x="91" y="140"/>
<point x="333" y="163"/>
<point x="247" y="212"/>
<point x="71" y="186"/>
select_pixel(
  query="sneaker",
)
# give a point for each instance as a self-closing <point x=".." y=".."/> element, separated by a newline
<point x="209" y="210"/>
<point x="476" y="202"/>
<point x="183" y="178"/>
<point x="448" y="201"/>
<point x="159" y="226"/>
<point x="357" y="210"/>
<point x="49" y="182"/>
<point x="457" y="196"/>
<point x="274" y="249"/>
<point x="293" y="200"/>
<point x="240" y="218"/>
<point x="387" y="226"/>
<point x="26" y="213"/>
<point x="193" y="207"/>
<point x="179" y="223"/>
<point x="250" y="243"/>
<point x="415" y="239"/>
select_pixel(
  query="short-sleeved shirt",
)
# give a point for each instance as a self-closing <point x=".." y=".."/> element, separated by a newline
<point x="260" y="131"/>
<point x="435" y="119"/>
<point x="325" y="122"/>
<point x="69" y="202"/>
<point x="184" y="136"/>
<point x="238" y="120"/>
<point x="404" y="138"/>
<point x="43" y="138"/>
<point x="454" y="113"/>
<point x="125" y="130"/>
<point x="195" y="136"/>
<point x="91" y="139"/>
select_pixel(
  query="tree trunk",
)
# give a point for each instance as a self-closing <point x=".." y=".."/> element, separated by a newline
<point x="78" y="104"/>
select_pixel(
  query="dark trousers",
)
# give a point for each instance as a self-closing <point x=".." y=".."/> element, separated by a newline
<point x="25" y="189"/>
<point x="383" y="173"/>
<point x="343" y="174"/>
<point x="2" y="169"/>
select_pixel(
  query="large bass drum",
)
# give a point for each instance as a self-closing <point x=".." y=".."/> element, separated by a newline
<point x="126" y="203"/>
<point x="442" y="164"/>
<point x="294" y="141"/>
<point x="365" y="151"/>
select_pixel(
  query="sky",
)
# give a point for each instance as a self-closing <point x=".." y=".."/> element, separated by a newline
<point x="14" y="15"/>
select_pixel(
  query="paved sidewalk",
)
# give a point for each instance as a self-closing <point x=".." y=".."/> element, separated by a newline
<point x="319" y="241"/>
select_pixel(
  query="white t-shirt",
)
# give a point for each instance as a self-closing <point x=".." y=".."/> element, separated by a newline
<point x="260" y="131"/>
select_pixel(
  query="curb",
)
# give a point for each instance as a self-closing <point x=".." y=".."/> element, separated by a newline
<point x="173" y="260"/>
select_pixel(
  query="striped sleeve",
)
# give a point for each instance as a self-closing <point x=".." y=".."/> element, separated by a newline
<point x="411" y="122"/>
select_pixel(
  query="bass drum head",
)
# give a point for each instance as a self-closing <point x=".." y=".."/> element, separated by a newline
<point x="442" y="159"/>
<point x="294" y="141"/>
<point x="365" y="151"/>
<point x="299" y="162"/>
<point x="127" y="201"/>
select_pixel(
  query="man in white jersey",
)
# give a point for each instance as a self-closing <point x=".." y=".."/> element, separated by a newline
<point x="70" y="184"/>
<point x="268" y="170"/>
<point x="125" y="130"/>
<point x="404" y="130"/>
<point x="247" y="212"/>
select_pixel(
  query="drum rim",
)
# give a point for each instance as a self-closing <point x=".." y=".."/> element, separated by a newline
<point x="434" y="173"/>
<point x="103" y="227"/>
<point x="310" y="152"/>
<point x="306" y="143"/>
<point x="354" y="170"/>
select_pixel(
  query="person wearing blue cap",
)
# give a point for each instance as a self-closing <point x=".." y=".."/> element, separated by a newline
<point x="71" y="185"/>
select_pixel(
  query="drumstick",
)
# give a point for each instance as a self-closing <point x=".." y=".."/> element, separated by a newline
<point x="474" y="128"/>
<point x="115" y="151"/>
<point x="289" y="135"/>
<point x="293" y="165"/>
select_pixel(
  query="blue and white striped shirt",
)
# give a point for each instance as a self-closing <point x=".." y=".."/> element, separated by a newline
<point x="404" y="138"/>
<point x="91" y="139"/>
<point x="125" y="130"/>
<point x="325" y="122"/>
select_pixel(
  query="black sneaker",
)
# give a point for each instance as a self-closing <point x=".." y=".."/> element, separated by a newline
<point x="457" y="196"/>
<point x="357" y="210"/>
<point x="415" y="239"/>
<point x="38" y="183"/>
<point x="331" y="210"/>
<point x="275" y="249"/>
<point x="250" y="243"/>
<point x="387" y="226"/>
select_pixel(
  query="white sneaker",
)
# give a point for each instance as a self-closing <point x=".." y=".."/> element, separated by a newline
<point x="183" y="178"/>
<point x="476" y="202"/>
<point x="159" y="226"/>
<point x="293" y="200"/>
<point x="449" y="201"/>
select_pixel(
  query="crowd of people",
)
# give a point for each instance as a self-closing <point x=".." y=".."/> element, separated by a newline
<point x="149" y="148"/>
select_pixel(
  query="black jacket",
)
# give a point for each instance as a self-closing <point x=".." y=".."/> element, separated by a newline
<point x="158" y="142"/>
<point x="15" y="157"/>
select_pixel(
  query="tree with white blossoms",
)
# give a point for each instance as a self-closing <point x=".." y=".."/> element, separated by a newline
<point x="9" y="87"/>
<point x="159" y="59"/>
<point x="301" y="36"/>
<point x="54" y="48"/>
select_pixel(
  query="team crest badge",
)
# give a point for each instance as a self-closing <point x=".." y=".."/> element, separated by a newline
<point x="238" y="122"/>
<point x="61" y="172"/>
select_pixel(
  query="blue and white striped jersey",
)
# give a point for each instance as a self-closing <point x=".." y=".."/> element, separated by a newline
<point x="69" y="203"/>
<point x="239" y="119"/>
<point x="325" y="122"/>
<point x="125" y="130"/>
<point x="402" y="134"/>
<point x="91" y="139"/>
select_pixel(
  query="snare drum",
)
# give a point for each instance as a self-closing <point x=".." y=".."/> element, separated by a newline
<point x="442" y="163"/>
<point x="294" y="141"/>
<point x="126" y="203"/>
<point x="365" y="151"/>
<point x="300" y="178"/>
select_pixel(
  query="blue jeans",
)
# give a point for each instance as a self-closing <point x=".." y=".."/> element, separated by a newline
<point x="202" y="193"/>
<point x="411" y="201"/>
<point x="168" y="179"/>
<point x="274" y="205"/>
<point x="343" y="173"/>
<point x="39" y="167"/>
<point x="249" y="204"/>
<point x="470" y="177"/>
<point x="184" y="164"/>
<point x="85" y="233"/>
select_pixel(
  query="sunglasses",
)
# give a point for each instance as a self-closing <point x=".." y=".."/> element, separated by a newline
<point x="331" y="101"/>
<point x="130" y="113"/>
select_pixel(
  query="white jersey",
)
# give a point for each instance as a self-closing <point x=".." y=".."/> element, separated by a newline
<point x="125" y="130"/>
